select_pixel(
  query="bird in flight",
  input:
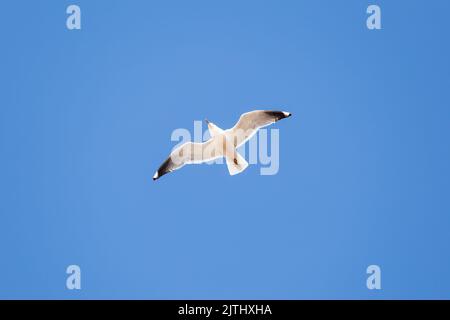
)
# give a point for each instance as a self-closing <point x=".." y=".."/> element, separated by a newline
<point x="223" y="143"/>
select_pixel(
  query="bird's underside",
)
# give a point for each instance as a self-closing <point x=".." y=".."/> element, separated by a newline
<point x="223" y="143"/>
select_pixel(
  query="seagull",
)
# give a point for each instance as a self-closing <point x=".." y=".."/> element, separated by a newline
<point x="223" y="143"/>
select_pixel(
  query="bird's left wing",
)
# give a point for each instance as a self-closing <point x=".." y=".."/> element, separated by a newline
<point x="190" y="152"/>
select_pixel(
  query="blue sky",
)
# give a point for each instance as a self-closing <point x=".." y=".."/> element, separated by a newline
<point x="86" y="118"/>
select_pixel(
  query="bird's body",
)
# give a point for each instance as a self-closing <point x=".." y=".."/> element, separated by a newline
<point x="223" y="143"/>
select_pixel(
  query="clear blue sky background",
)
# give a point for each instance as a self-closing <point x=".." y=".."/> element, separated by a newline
<point x="86" y="118"/>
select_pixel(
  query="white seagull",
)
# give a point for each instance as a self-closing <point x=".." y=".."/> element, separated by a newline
<point x="223" y="143"/>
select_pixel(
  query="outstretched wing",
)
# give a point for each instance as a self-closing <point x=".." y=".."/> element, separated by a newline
<point x="190" y="152"/>
<point x="250" y="122"/>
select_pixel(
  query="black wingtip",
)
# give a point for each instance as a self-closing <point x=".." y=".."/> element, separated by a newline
<point x="278" y="115"/>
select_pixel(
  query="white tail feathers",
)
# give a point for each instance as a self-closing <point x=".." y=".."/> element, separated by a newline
<point x="236" y="165"/>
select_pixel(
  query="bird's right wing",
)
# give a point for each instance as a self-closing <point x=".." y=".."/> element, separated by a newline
<point x="190" y="152"/>
<point x="250" y="122"/>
